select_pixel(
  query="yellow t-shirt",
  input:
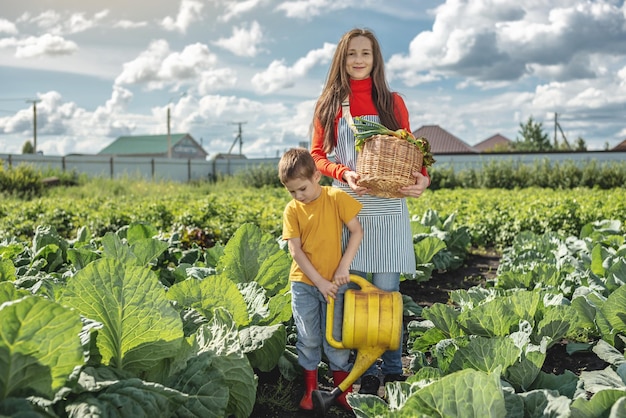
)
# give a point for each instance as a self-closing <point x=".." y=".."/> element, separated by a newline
<point x="319" y="226"/>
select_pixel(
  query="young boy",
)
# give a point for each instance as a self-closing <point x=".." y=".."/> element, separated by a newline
<point x="312" y="225"/>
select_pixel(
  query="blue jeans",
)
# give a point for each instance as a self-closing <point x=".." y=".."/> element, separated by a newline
<point x="309" y="314"/>
<point x="391" y="360"/>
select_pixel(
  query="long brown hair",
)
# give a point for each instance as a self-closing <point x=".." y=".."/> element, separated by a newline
<point x="337" y="88"/>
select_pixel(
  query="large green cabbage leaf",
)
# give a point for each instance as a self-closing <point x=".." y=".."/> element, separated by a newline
<point x="263" y="345"/>
<point x="496" y="318"/>
<point x="39" y="346"/>
<point x="485" y="354"/>
<point x="606" y="403"/>
<point x="220" y="337"/>
<point x="9" y="292"/>
<point x="209" y="294"/>
<point x="445" y="319"/>
<point x="22" y="408"/>
<point x="49" y="246"/>
<point x="128" y="398"/>
<point x="545" y="403"/>
<point x="251" y="255"/>
<point x="141" y="250"/>
<point x="206" y="386"/>
<point x="140" y="327"/>
<point x="466" y="393"/>
<point x="612" y="313"/>
<point x="7" y="270"/>
<point x="565" y="383"/>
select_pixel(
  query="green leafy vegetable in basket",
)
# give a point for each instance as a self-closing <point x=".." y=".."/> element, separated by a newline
<point x="366" y="129"/>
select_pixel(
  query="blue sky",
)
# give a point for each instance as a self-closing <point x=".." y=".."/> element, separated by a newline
<point x="99" y="70"/>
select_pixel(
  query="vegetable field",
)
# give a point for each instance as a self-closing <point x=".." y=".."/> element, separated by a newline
<point x="172" y="305"/>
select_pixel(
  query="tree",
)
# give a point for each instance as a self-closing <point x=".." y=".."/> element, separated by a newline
<point x="533" y="137"/>
<point x="28" y="148"/>
<point x="580" y="144"/>
<point x="502" y="147"/>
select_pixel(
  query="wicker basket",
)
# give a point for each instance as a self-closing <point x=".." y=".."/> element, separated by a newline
<point x="386" y="163"/>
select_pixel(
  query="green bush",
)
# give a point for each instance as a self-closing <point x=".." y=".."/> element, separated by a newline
<point x="22" y="181"/>
<point x="545" y="174"/>
<point x="259" y="176"/>
<point x="265" y="175"/>
<point x="65" y="178"/>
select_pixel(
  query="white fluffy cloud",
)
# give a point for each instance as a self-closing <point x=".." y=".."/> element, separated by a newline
<point x="63" y="23"/>
<point x="216" y="79"/>
<point x="7" y="27"/>
<point x="279" y="76"/>
<point x="500" y="40"/>
<point x="129" y="24"/>
<point x="47" y="44"/>
<point x="236" y="8"/>
<point x="243" y="42"/>
<point x="189" y="12"/>
<point x="158" y="66"/>
<point x="308" y="9"/>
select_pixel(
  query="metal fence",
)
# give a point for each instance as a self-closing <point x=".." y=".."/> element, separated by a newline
<point x="185" y="170"/>
<point x="460" y="162"/>
<point x="137" y="167"/>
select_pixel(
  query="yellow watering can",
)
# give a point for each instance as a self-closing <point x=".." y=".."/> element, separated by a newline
<point x="372" y="324"/>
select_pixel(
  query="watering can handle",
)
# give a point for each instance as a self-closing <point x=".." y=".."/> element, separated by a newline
<point x="330" y="310"/>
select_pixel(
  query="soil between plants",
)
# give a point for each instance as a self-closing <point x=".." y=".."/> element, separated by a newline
<point x="279" y="398"/>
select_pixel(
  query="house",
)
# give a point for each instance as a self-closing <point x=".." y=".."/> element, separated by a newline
<point x="183" y="146"/>
<point x="620" y="147"/>
<point x="443" y="142"/>
<point x="495" y="143"/>
<point x="224" y="156"/>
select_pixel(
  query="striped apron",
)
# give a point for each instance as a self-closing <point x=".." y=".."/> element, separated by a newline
<point x="387" y="245"/>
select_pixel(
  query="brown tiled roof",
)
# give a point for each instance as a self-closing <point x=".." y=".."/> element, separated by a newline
<point x="442" y="141"/>
<point x="621" y="146"/>
<point x="491" y="142"/>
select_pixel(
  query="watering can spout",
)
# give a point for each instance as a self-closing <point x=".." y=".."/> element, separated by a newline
<point x="372" y="324"/>
<point x="323" y="400"/>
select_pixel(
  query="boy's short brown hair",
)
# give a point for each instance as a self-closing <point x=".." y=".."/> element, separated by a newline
<point x="296" y="163"/>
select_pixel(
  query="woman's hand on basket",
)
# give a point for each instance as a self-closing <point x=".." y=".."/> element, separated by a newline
<point x="351" y="177"/>
<point x="416" y="190"/>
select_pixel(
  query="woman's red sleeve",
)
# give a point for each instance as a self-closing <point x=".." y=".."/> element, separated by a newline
<point x="323" y="164"/>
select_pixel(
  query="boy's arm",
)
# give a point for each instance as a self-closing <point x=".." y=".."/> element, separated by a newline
<point x="342" y="274"/>
<point x="326" y="287"/>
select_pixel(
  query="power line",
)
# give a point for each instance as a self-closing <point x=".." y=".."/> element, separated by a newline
<point x="34" y="103"/>
<point x="16" y="99"/>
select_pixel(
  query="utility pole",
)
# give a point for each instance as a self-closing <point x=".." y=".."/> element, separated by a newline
<point x="169" y="134"/>
<point x="239" y="137"/>
<point x="556" y="144"/>
<point x="34" y="102"/>
<point x="558" y="125"/>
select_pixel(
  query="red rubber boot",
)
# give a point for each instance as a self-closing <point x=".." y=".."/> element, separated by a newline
<point x="310" y="384"/>
<point x="338" y="377"/>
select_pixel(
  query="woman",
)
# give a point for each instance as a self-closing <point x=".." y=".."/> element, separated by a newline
<point x="357" y="78"/>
